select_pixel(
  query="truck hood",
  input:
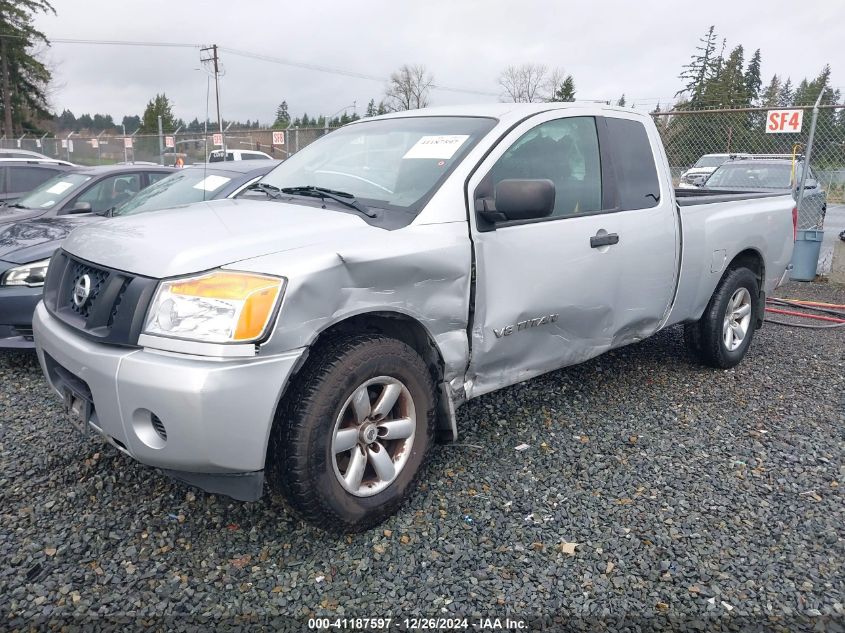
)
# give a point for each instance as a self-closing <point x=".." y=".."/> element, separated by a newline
<point x="207" y="235"/>
<point x="31" y="240"/>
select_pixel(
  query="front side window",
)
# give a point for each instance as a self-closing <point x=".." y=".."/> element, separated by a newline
<point x="111" y="192"/>
<point x="565" y="151"/>
<point x="393" y="164"/>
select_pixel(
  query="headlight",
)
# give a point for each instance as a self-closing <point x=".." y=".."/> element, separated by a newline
<point x="31" y="275"/>
<point x="217" y="307"/>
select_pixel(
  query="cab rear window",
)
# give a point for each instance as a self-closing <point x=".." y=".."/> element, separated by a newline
<point x="636" y="174"/>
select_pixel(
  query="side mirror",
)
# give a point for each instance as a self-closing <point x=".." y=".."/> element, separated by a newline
<point x="525" y="199"/>
<point x="699" y="181"/>
<point x="81" y="207"/>
<point x="810" y="183"/>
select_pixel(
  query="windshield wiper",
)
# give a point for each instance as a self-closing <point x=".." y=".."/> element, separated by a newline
<point x="341" y="197"/>
<point x="18" y="205"/>
<point x="271" y="190"/>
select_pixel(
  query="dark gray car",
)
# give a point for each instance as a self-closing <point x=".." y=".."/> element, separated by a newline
<point x="19" y="176"/>
<point x="83" y="190"/>
<point x="775" y="174"/>
<point x="26" y="246"/>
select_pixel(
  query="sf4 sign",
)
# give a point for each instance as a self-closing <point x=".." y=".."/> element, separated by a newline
<point x="784" y="121"/>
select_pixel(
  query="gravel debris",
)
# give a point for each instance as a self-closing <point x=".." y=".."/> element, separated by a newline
<point x="655" y="491"/>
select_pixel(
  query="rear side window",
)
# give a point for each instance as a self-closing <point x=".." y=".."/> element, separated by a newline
<point x="633" y="159"/>
<point x="25" y="179"/>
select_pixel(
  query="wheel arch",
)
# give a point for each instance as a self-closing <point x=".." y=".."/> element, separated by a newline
<point x="753" y="260"/>
<point x="400" y="326"/>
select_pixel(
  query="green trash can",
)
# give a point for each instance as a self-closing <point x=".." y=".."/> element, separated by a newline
<point x="805" y="256"/>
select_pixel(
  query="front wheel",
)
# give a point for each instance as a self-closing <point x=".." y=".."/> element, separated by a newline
<point x="354" y="433"/>
<point x="726" y="328"/>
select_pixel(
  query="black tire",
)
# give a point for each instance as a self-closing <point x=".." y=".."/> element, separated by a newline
<point x="713" y="351"/>
<point x="300" y="462"/>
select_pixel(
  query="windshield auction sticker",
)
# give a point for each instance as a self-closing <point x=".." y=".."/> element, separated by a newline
<point x="60" y="187"/>
<point x="212" y="183"/>
<point x="442" y="147"/>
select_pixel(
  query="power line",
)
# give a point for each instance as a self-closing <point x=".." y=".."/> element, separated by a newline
<point x="266" y="58"/>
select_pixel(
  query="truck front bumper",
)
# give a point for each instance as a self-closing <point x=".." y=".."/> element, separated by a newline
<point x="202" y="420"/>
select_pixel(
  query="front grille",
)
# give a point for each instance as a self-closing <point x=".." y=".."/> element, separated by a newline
<point x="102" y="303"/>
<point x="97" y="279"/>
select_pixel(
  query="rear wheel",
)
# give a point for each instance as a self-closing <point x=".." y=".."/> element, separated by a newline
<point x="722" y="336"/>
<point x="354" y="432"/>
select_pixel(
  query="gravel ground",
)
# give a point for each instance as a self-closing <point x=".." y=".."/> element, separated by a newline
<point x="653" y="490"/>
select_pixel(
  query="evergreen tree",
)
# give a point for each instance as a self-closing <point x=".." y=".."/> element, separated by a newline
<point x="752" y="79"/>
<point x="371" y="108"/>
<point x="132" y="123"/>
<point x="382" y="108"/>
<point x="85" y="122"/>
<point x="621" y="101"/>
<point x="787" y="94"/>
<point x="23" y="78"/>
<point x="700" y="68"/>
<point x="565" y="91"/>
<point x="282" y="116"/>
<point x="103" y="122"/>
<point x="305" y="120"/>
<point x="771" y="95"/>
<point x="157" y="107"/>
<point x="66" y="121"/>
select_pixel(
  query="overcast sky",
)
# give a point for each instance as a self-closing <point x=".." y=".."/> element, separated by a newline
<point x="609" y="46"/>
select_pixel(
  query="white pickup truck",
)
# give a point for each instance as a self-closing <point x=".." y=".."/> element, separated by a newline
<point x="317" y="335"/>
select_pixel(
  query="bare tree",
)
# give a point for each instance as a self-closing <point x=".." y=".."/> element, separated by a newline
<point x="531" y="83"/>
<point x="409" y="88"/>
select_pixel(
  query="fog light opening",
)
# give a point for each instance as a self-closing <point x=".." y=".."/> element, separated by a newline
<point x="149" y="428"/>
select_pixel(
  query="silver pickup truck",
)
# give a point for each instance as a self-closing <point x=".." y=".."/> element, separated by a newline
<point x="320" y="332"/>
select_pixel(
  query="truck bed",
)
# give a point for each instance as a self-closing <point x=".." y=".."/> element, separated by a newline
<point x="691" y="197"/>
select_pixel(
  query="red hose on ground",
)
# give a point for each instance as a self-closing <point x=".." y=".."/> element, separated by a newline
<point x="814" y="303"/>
<point x="803" y="314"/>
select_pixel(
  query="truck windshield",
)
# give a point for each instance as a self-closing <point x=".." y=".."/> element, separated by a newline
<point x="752" y="176"/>
<point x="53" y="190"/>
<point x="388" y="164"/>
<point x="192" y="184"/>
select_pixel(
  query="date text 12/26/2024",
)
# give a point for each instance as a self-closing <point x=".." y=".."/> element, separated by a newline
<point x="418" y="624"/>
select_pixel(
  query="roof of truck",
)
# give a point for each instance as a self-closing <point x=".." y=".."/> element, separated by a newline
<point x="506" y="110"/>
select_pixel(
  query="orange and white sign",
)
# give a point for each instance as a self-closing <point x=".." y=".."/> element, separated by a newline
<point x="278" y="138"/>
<point x="127" y="142"/>
<point x="168" y="141"/>
<point x="95" y="144"/>
<point x="217" y="139"/>
<point x="784" y="121"/>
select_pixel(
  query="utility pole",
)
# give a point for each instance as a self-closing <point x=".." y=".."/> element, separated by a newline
<point x="215" y="62"/>
<point x="125" y="158"/>
<point x="160" y="141"/>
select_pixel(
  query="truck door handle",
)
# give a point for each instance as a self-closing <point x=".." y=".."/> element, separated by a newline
<point x="607" y="239"/>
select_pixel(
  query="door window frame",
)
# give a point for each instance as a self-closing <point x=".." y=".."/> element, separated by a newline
<point x="609" y="180"/>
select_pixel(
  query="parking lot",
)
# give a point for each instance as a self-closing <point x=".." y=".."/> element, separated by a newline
<point x="651" y="488"/>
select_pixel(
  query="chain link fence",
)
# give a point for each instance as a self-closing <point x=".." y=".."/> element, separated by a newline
<point x="690" y="134"/>
<point x="192" y="147"/>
